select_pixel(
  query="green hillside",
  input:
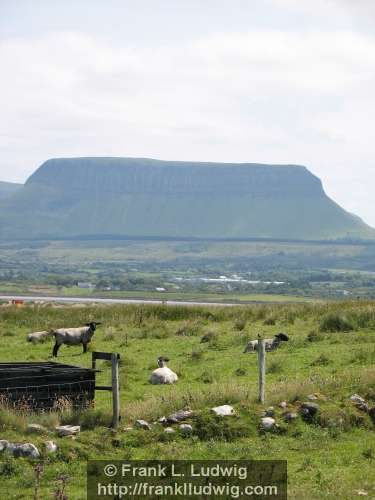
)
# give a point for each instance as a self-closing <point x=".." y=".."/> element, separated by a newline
<point x="151" y="198"/>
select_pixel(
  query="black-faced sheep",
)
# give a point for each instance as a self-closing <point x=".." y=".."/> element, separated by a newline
<point x="163" y="374"/>
<point x="74" y="336"/>
<point x="270" y="344"/>
<point x="37" y="337"/>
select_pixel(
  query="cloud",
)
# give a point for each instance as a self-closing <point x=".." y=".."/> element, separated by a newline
<point x="259" y="95"/>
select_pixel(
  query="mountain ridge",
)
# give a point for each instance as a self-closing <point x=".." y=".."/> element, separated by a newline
<point x="140" y="197"/>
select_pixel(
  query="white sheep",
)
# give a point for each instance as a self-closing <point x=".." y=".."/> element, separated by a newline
<point x="270" y="344"/>
<point x="74" y="336"/>
<point x="36" y="337"/>
<point x="163" y="374"/>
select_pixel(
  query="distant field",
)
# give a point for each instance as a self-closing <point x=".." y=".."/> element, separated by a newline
<point x="175" y="296"/>
<point x="330" y="353"/>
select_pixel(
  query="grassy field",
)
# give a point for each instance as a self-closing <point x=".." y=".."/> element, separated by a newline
<point x="331" y="353"/>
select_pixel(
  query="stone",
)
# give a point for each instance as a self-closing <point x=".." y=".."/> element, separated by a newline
<point x="371" y="412"/>
<point x="268" y="423"/>
<point x="50" y="447"/>
<point x="223" y="411"/>
<point x="312" y="397"/>
<point x="362" y="407"/>
<point x="309" y="410"/>
<point x="163" y="421"/>
<point x="36" y="428"/>
<point x="269" y="412"/>
<point x="169" y="430"/>
<point x="3" y="444"/>
<point x="186" y="429"/>
<point x="142" y="424"/>
<point x="355" y="398"/>
<point x="283" y="404"/>
<point x="128" y="429"/>
<point x="289" y="417"/>
<point x="67" y="430"/>
<point x="28" y="450"/>
<point x="179" y="416"/>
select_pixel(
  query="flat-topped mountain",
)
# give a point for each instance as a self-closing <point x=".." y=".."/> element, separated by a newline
<point x="7" y="189"/>
<point x="136" y="197"/>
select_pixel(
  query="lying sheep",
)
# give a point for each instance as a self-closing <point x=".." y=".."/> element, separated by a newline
<point x="163" y="374"/>
<point x="74" y="336"/>
<point x="36" y="337"/>
<point x="270" y="344"/>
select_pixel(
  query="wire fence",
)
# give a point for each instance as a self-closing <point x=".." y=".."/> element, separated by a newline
<point x="45" y="386"/>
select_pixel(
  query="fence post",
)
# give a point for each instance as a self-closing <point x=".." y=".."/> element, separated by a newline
<point x="262" y="368"/>
<point x="115" y="390"/>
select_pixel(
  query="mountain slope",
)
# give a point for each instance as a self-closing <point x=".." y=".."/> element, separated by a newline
<point x="152" y="198"/>
<point x="7" y="189"/>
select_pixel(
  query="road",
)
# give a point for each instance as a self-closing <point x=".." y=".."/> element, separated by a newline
<point x="85" y="300"/>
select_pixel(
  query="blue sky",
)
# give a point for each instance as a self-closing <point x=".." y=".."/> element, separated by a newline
<point x="269" y="81"/>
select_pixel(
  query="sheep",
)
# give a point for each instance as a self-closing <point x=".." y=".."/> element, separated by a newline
<point x="36" y="337"/>
<point x="74" y="336"/>
<point x="163" y="375"/>
<point x="270" y="344"/>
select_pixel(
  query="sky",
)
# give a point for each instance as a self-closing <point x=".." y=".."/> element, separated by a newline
<point x="258" y="81"/>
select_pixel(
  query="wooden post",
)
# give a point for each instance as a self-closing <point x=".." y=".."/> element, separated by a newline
<point x="115" y="385"/>
<point x="262" y="368"/>
<point x="115" y="390"/>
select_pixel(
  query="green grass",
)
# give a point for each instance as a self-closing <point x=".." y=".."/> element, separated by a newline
<point x="333" y="364"/>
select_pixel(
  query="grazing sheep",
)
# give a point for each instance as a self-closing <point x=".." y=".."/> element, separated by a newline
<point x="270" y="344"/>
<point x="163" y="375"/>
<point x="74" y="336"/>
<point x="38" y="336"/>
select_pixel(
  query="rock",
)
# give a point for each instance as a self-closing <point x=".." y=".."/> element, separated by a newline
<point x="270" y="412"/>
<point x="50" y="447"/>
<point x="128" y="429"/>
<point x="309" y="410"/>
<point x="186" y="429"/>
<point x="3" y="444"/>
<point x="28" y="450"/>
<point x="268" y="423"/>
<point x="283" y="404"/>
<point x="67" y="430"/>
<point x="363" y="407"/>
<point x="37" y="428"/>
<point x="179" y="416"/>
<point x="142" y="424"/>
<point x="289" y="417"/>
<point x="223" y="411"/>
<point x="163" y="421"/>
<point x="355" y="398"/>
<point x="312" y="397"/>
<point x="371" y="412"/>
<point x="169" y="430"/>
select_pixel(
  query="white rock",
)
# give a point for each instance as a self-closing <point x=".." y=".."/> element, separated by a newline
<point x="128" y="429"/>
<point x="357" y="399"/>
<point x="223" y="411"/>
<point x="268" y="423"/>
<point x="283" y="404"/>
<point x="169" y="430"/>
<point x="142" y="424"/>
<point x="50" y="446"/>
<point x="312" y="397"/>
<point x="24" y="450"/>
<point x="37" y="428"/>
<point x="186" y="428"/>
<point x="67" y="430"/>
